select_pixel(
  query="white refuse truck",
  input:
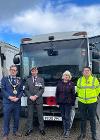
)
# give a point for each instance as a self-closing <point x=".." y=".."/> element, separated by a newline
<point x="54" y="53"/>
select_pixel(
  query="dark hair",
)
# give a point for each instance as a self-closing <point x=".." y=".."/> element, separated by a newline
<point x="87" y="67"/>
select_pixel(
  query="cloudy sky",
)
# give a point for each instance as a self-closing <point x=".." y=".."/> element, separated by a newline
<point x="25" y="18"/>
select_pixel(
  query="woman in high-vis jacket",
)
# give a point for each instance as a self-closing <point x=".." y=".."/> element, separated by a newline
<point x="65" y="97"/>
<point x="88" y="89"/>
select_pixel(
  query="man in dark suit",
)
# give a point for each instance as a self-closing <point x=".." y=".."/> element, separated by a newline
<point x="12" y="90"/>
<point x="34" y="89"/>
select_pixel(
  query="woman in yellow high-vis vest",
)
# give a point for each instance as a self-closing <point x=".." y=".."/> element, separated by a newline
<point x="88" y="89"/>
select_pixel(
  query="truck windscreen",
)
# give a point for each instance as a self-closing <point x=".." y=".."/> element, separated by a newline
<point x="52" y="59"/>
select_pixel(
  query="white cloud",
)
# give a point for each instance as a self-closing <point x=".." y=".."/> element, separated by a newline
<point x="70" y="18"/>
<point x="12" y="7"/>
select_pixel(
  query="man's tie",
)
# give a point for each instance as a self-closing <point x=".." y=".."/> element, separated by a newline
<point x="13" y="81"/>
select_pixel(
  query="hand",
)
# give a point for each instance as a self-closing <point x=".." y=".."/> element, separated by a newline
<point x="57" y="106"/>
<point x="15" y="99"/>
<point x="33" y="98"/>
<point x="30" y="97"/>
<point x="11" y="98"/>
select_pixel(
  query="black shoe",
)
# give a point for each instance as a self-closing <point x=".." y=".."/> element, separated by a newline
<point x="81" y="137"/>
<point x="42" y="132"/>
<point x="66" y="135"/>
<point x="17" y="134"/>
<point x="28" y="132"/>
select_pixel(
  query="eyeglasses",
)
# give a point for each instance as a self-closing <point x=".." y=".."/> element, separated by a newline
<point x="13" y="70"/>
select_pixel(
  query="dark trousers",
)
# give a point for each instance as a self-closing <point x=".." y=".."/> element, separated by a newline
<point x="90" y="111"/>
<point x="66" y="116"/>
<point x="8" y="111"/>
<point x="39" y="109"/>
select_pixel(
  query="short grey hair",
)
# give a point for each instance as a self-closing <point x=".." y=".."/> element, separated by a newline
<point x="67" y="73"/>
<point x="13" y="66"/>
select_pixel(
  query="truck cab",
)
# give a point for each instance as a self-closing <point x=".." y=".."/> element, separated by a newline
<point x="53" y="54"/>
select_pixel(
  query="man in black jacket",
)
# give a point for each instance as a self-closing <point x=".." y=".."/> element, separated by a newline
<point x="34" y="89"/>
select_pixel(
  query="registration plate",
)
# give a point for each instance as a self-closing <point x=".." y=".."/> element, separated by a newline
<point x="52" y="118"/>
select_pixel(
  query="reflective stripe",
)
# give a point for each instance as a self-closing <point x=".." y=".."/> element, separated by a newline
<point x="88" y="98"/>
<point x="91" y="87"/>
<point x="85" y="87"/>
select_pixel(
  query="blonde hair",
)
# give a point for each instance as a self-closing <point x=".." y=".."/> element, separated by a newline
<point x="67" y="73"/>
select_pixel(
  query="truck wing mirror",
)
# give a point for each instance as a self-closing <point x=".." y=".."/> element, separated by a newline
<point x="16" y="60"/>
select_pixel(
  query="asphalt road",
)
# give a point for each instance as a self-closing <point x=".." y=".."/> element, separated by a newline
<point x="53" y="130"/>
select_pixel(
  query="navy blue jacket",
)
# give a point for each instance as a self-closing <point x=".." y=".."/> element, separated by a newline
<point x="7" y="90"/>
<point x="65" y="93"/>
